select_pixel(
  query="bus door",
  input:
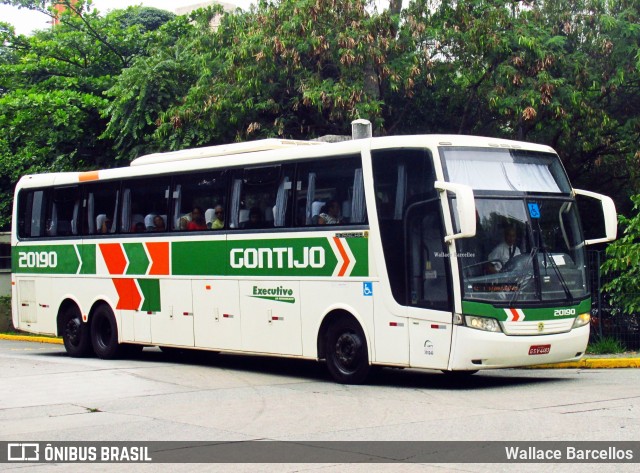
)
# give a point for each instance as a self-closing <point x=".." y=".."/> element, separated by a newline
<point x="429" y="283"/>
<point x="216" y="311"/>
<point x="173" y="324"/>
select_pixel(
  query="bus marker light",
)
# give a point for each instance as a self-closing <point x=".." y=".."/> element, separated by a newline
<point x="84" y="317"/>
<point x="439" y="326"/>
<point x="277" y="318"/>
<point x="396" y="324"/>
<point x="227" y="316"/>
<point x="208" y="287"/>
<point x="187" y="313"/>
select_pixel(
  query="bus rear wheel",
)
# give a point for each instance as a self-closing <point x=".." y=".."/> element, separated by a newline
<point x="346" y="352"/>
<point x="104" y="333"/>
<point x="75" y="334"/>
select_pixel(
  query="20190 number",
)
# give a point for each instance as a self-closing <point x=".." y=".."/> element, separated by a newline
<point x="37" y="259"/>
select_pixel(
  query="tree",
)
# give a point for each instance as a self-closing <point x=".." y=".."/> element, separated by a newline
<point x="623" y="262"/>
<point x="51" y="93"/>
<point x="294" y="69"/>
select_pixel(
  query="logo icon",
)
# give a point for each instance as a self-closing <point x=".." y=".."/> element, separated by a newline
<point x="540" y="326"/>
<point x="367" y="289"/>
<point x="23" y="452"/>
<point x="534" y="210"/>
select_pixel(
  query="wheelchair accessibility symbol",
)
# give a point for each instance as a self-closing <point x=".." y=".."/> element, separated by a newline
<point x="367" y="289"/>
<point x="534" y="210"/>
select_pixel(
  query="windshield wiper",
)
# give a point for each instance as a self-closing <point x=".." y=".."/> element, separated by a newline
<point x="563" y="283"/>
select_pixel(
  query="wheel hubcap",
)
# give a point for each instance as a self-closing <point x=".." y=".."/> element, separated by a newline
<point x="72" y="331"/>
<point x="348" y="350"/>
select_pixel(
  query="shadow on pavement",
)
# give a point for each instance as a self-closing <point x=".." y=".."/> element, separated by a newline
<point x="308" y="370"/>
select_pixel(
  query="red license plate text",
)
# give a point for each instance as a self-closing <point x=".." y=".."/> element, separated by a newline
<point x="539" y="349"/>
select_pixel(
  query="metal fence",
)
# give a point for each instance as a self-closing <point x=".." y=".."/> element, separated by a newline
<point x="608" y="320"/>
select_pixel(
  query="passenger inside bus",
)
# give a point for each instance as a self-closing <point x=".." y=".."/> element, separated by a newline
<point x="330" y="215"/>
<point x="218" y="222"/>
<point x="255" y="219"/>
<point x="158" y="224"/>
<point x="197" y="220"/>
<point x="103" y="224"/>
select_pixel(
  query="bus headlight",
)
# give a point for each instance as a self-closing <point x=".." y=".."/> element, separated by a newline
<point x="582" y="319"/>
<point x="482" y="323"/>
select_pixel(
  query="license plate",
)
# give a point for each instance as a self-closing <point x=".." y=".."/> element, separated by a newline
<point x="539" y="349"/>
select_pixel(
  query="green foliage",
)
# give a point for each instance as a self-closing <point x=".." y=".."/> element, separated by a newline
<point x="605" y="346"/>
<point x="623" y="262"/>
<point x="150" y="19"/>
<point x="52" y="88"/>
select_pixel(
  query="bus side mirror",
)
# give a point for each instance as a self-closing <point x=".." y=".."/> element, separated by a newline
<point x="465" y="206"/>
<point x="609" y="214"/>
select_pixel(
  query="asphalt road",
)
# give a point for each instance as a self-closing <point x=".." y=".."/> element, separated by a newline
<point x="47" y="396"/>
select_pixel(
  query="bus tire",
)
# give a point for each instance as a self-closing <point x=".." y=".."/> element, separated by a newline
<point x="75" y="334"/>
<point x="346" y="352"/>
<point x="104" y="333"/>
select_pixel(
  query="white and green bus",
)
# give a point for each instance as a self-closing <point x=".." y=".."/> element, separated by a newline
<point x="453" y="253"/>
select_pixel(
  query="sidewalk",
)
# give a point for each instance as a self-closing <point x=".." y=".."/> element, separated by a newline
<point x="622" y="360"/>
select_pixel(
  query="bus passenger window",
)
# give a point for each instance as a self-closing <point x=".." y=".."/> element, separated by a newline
<point x="31" y="208"/>
<point x="63" y="212"/>
<point x="330" y="192"/>
<point x="205" y="191"/>
<point x="260" y="197"/>
<point x="142" y="200"/>
<point x="101" y="204"/>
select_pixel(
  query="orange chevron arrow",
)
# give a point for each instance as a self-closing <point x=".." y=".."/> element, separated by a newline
<point x="345" y="257"/>
<point x="113" y="257"/>
<point x="129" y="298"/>
<point x="159" y="253"/>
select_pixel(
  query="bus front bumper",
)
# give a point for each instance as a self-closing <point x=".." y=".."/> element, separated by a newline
<point x="476" y="349"/>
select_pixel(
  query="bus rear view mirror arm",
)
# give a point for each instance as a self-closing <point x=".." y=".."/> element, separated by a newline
<point x="465" y="207"/>
<point x="609" y="213"/>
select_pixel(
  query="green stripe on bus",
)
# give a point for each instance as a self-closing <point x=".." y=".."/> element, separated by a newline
<point x="151" y="292"/>
<point x="138" y="260"/>
<point x="360" y="248"/>
<point x="51" y="259"/>
<point x="199" y="258"/>
<point x="291" y="257"/>
<point x="88" y="255"/>
<point x="533" y="313"/>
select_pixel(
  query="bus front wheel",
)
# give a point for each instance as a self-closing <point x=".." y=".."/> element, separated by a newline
<point x="346" y="352"/>
<point x="104" y="333"/>
<point x="75" y="334"/>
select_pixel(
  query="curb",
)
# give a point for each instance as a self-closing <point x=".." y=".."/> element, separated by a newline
<point x="588" y="363"/>
<point x="31" y="338"/>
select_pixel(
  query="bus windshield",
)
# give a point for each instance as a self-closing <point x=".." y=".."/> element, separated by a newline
<point x="525" y="250"/>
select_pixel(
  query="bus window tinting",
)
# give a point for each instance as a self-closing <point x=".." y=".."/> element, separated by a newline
<point x="260" y="197"/>
<point x="63" y="212"/>
<point x="142" y="201"/>
<point x="279" y="196"/>
<point x="101" y="207"/>
<point x="330" y="191"/>
<point x="205" y="190"/>
<point x="32" y="206"/>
